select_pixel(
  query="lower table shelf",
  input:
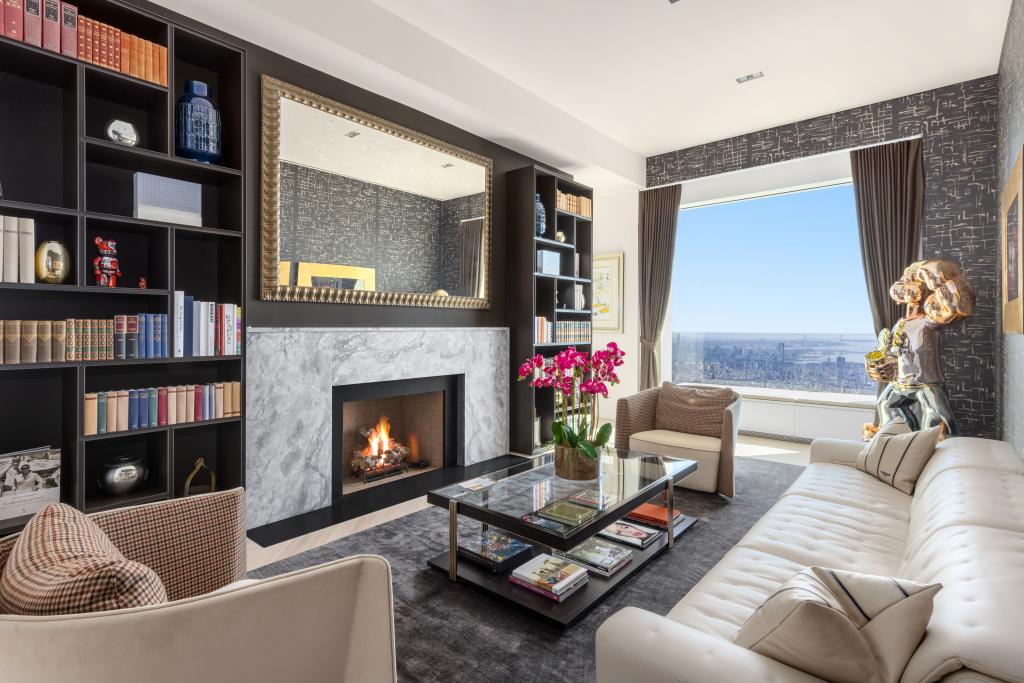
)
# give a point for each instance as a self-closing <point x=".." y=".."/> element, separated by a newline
<point x="560" y="614"/>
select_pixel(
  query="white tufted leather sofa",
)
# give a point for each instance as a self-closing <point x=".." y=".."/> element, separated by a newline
<point x="963" y="527"/>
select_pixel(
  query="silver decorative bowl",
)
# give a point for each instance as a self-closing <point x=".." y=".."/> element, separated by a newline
<point x="122" y="474"/>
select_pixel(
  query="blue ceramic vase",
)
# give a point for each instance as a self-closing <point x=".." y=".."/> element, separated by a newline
<point x="541" y="224"/>
<point x="198" y="131"/>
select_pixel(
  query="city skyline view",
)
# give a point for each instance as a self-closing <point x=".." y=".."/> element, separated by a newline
<point x="789" y="309"/>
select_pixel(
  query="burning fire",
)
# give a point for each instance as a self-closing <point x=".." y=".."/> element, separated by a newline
<point x="379" y="438"/>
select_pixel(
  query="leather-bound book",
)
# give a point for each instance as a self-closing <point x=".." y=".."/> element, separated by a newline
<point x="101" y="412"/>
<point x="14" y="20"/>
<point x="89" y="416"/>
<point x="51" y="25"/>
<point x="108" y="338"/>
<point x="29" y="340"/>
<point x="26" y="250"/>
<point x="161" y="406"/>
<point x="68" y="29"/>
<point x="84" y="44"/>
<point x="120" y="330"/>
<point x="104" y="55"/>
<point x="12" y="342"/>
<point x="115" y="49"/>
<point x="218" y="400"/>
<point x="153" y="407"/>
<point x="163" y="65"/>
<point x="80" y="339"/>
<point x="182" y="407"/>
<point x="172" y="405"/>
<point x="58" y="341"/>
<point x="131" y="339"/>
<point x="122" y="410"/>
<point x="190" y="403"/>
<point x="133" y="409"/>
<point x="44" y="342"/>
<point x="126" y="42"/>
<point x="10" y="248"/>
<point x="111" y="411"/>
<point x="142" y="396"/>
<point x="34" y="22"/>
<point x="199" y="403"/>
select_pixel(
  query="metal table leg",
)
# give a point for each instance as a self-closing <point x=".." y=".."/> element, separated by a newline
<point x="453" y="539"/>
<point x="671" y="513"/>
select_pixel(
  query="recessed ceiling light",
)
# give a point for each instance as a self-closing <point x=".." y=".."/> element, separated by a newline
<point x="448" y="165"/>
<point x="352" y="134"/>
<point x="750" y="77"/>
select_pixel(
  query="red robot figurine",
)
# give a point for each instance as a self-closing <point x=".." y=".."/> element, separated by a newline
<point x="105" y="266"/>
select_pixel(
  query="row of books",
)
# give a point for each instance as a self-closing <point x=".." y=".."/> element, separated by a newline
<point x="57" y="26"/>
<point x="112" y="48"/>
<point x="124" y="337"/>
<point x="18" y="249"/>
<point x="127" y="409"/>
<point x="561" y="331"/>
<point x="581" y="206"/>
<point x="32" y="341"/>
<point x="204" y="328"/>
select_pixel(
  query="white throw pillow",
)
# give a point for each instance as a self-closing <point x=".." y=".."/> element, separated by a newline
<point x="842" y="626"/>
<point x="896" y="455"/>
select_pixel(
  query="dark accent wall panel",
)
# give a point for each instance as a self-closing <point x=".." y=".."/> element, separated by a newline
<point x="1011" y="140"/>
<point x="957" y="124"/>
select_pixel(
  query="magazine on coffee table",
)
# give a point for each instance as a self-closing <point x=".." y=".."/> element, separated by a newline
<point x="630" y="533"/>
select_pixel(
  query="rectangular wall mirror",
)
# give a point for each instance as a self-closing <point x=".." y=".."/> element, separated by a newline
<point x="359" y="210"/>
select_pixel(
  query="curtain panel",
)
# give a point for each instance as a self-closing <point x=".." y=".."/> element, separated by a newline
<point x="659" y="214"/>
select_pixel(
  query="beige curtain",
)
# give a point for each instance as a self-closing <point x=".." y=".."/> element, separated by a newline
<point x="888" y="187"/>
<point x="659" y="212"/>
<point x="470" y="250"/>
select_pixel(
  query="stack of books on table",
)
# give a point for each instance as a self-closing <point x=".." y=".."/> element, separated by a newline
<point x="654" y="515"/>
<point x="599" y="557"/>
<point x="556" y="578"/>
<point x="494" y="549"/>
<point x="630" y="533"/>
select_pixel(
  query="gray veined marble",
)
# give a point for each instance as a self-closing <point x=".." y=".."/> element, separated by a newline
<point x="289" y="376"/>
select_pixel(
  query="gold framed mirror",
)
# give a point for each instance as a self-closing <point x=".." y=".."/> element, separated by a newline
<point x="359" y="210"/>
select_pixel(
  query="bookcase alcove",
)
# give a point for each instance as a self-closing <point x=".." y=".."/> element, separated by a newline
<point x="57" y="167"/>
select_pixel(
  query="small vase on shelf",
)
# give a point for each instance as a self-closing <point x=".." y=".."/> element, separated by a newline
<point x="197" y="125"/>
<point x="541" y="221"/>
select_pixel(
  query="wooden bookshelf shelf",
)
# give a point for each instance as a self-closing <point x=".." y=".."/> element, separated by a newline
<point x="61" y="171"/>
<point x="577" y="216"/>
<point x="548" y="295"/>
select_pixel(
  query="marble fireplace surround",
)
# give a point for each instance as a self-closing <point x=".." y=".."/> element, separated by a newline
<point x="290" y="374"/>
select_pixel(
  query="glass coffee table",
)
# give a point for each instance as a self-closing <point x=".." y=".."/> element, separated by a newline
<point x="505" y="497"/>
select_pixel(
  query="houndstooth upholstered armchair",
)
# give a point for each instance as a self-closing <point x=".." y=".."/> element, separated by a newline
<point x="331" y="622"/>
<point x="684" y="421"/>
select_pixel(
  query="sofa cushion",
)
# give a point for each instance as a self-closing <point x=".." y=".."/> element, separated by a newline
<point x="703" y="449"/>
<point x="850" y="487"/>
<point x="896" y="455"/>
<point x="691" y="409"/>
<point x="970" y="452"/>
<point x="842" y="626"/>
<point x="62" y="563"/>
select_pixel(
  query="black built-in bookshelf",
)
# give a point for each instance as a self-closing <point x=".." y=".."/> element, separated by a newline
<point x="532" y="294"/>
<point x="58" y="168"/>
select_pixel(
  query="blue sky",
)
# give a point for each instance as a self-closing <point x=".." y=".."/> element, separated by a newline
<point x="782" y="264"/>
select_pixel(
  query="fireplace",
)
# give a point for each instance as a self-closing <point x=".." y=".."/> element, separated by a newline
<point x="387" y="432"/>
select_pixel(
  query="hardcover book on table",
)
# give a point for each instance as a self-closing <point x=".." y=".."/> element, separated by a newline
<point x="494" y="549"/>
<point x="600" y="557"/>
<point x="630" y="533"/>
<point x="551" y="524"/>
<point x="656" y="515"/>
<point x="567" y="512"/>
<point x="555" y="575"/>
<point x="595" y="498"/>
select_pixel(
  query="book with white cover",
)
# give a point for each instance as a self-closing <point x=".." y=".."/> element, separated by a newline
<point x="179" y="324"/>
<point x="197" y="328"/>
<point x="10" y="226"/>
<point x="211" y="328"/>
<point x="553" y="574"/>
<point x="27" y="250"/>
<point x="204" y="329"/>
<point x="229" y="329"/>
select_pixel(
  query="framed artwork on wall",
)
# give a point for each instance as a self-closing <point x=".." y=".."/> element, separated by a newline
<point x="1012" y="272"/>
<point x="606" y="302"/>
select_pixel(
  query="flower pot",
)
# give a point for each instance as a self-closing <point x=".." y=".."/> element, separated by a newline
<point x="573" y="464"/>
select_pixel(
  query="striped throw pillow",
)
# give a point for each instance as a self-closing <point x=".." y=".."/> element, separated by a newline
<point x="842" y="626"/>
<point x="896" y="455"/>
<point x="62" y="563"/>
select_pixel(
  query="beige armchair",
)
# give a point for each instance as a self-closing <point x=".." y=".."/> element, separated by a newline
<point x="684" y="421"/>
<point x="332" y="622"/>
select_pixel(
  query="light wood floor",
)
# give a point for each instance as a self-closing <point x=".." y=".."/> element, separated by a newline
<point x="747" y="447"/>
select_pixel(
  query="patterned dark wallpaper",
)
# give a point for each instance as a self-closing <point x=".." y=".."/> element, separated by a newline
<point x="1011" y="140"/>
<point x="957" y="124"/>
<point x="409" y="239"/>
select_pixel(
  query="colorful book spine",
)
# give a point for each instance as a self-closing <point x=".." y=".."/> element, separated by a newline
<point x="131" y="337"/>
<point x="51" y="25"/>
<point x="161" y="406"/>
<point x="68" y="29"/>
<point x="153" y="406"/>
<point x="101" y="412"/>
<point x="133" y="409"/>
<point x="14" y="20"/>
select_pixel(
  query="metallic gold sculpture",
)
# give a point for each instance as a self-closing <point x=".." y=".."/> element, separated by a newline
<point x="935" y="293"/>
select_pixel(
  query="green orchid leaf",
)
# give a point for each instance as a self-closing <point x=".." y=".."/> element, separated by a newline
<point x="558" y="432"/>
<point x="588" y="450"/>
<point x="603" y="434"/>
<point x="571" y="437"/>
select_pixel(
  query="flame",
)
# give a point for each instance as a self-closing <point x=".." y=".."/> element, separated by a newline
<point x="380" y="437"/>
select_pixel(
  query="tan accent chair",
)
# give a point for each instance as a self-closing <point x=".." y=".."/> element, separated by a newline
<point x="635" y="428"/>
<point x="332" y="622"/>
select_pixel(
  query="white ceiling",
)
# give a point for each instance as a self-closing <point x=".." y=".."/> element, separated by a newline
<point x="595" y="86"/>
<point x="657" y="76"/>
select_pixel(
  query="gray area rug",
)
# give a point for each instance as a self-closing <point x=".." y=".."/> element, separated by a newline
<point x="448" y="632"/>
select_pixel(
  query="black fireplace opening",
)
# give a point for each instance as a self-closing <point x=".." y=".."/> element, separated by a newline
<point x="385" y="434"/>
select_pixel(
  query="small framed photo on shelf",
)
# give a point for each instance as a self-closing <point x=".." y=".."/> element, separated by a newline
<point x="606" y="298"/>
<point x="29" y="480"/>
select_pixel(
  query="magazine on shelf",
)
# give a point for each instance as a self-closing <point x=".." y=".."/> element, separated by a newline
<point x="598" y="556"/>
<point x="630" y="533"/>
<point x="494" y="549"/>
<point x="553" y="574"/>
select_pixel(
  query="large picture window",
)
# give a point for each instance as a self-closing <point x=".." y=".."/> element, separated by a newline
<point x="770" y="292"/>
